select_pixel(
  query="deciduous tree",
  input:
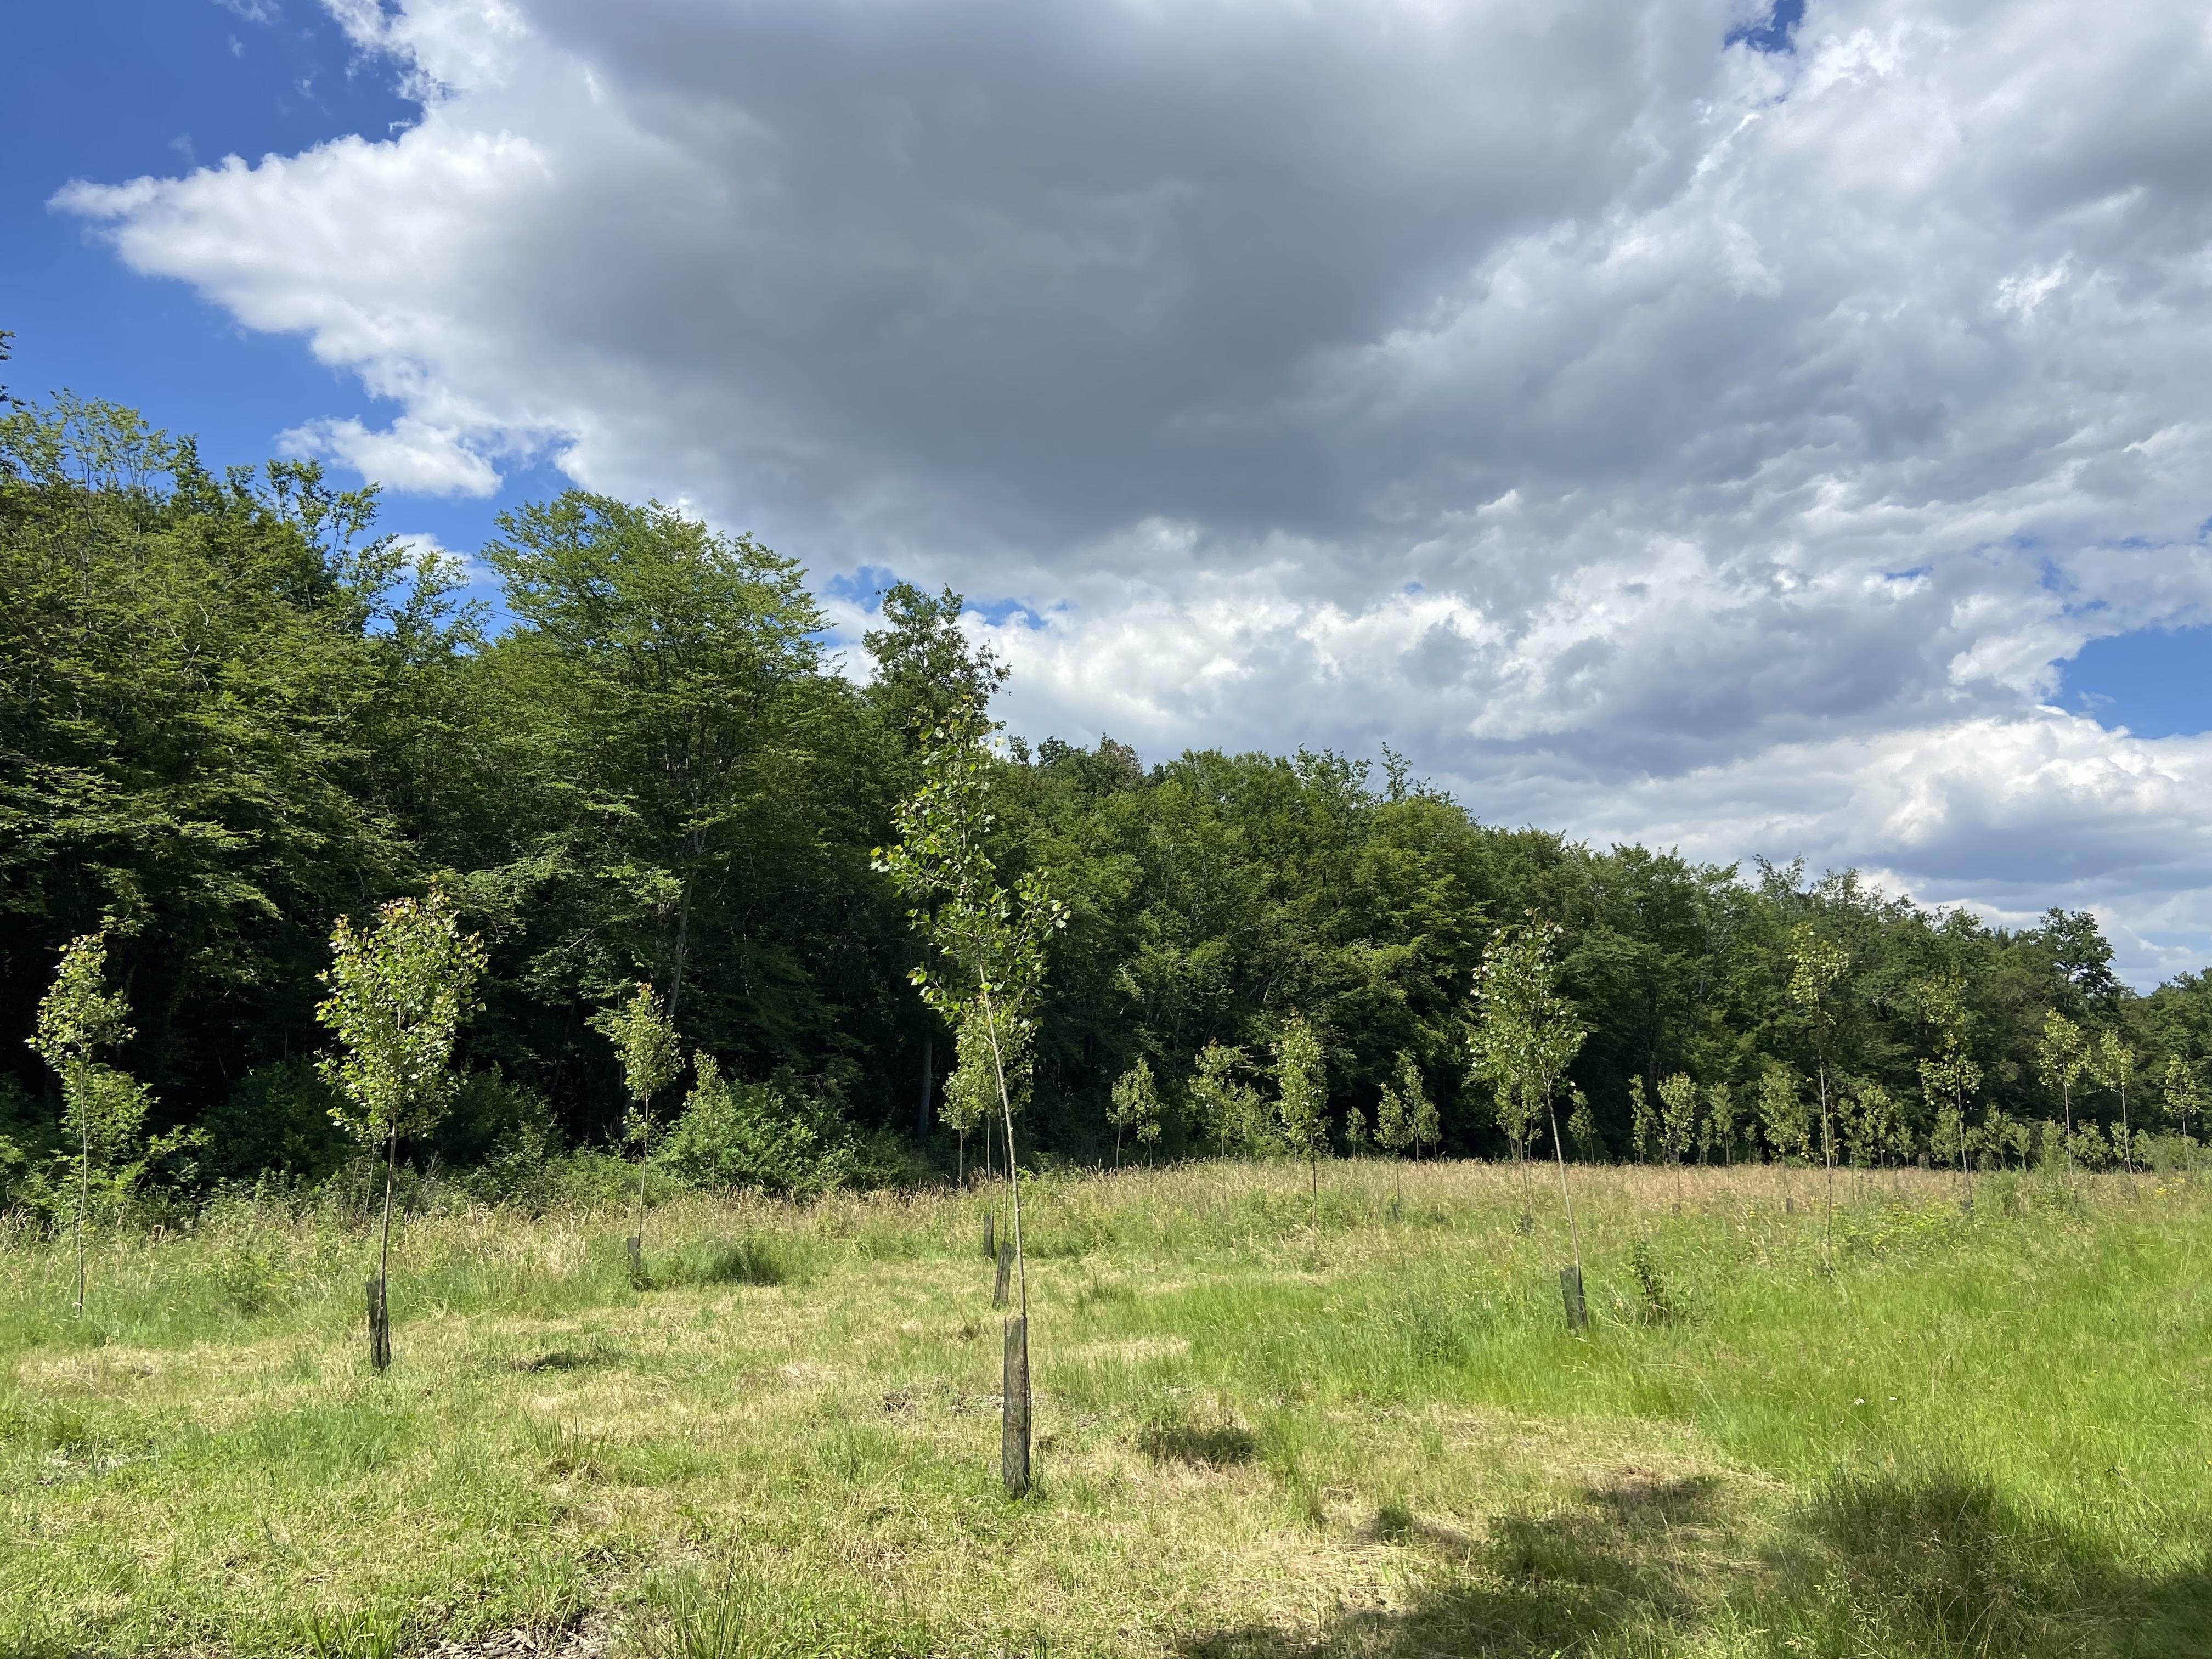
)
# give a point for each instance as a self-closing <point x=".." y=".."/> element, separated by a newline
<point x="645" y="1041"/>
<point x="1817" y="966"/>
<point x="1525" y="1033"/>
<point x="1302" y="1099"/>
<point x="398" y="993"/>
<point x="990" y="945"/>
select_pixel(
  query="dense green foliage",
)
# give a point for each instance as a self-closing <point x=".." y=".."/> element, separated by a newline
<point x="230" y="713"/>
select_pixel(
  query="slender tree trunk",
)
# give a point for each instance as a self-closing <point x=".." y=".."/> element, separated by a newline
<point x="380" y="1336"/>
<point x="1313" y="1169"/>
<point x="2127" y="1135"/>
<point x="1966" y="1146"/>
<point x="644" y="1152"/>
<point x="683" y="932"/>
<point x="1828" y="1160"/>
<point x="83" y="1172"/>
<point x="1566" y="1195"/>
<point x="1017" y="1483"/>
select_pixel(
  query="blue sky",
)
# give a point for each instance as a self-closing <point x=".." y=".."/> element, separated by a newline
<point x="1761" y="430"/>
<point x="108" y="90"/>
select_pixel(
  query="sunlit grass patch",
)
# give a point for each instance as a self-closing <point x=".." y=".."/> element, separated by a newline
<point x="1981" y="1435"/>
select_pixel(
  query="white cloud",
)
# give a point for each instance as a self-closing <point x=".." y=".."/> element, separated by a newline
<point x="410" y="454"/>
<point x="1753" y="431"/>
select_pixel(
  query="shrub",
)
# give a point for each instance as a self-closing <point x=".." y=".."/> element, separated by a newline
<point x="751" y="1134"/>
<point x="278" y="1118"/>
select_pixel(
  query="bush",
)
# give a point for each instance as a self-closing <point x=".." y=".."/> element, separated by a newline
<point x="751" y="1134"/>
<point x="277" y="1119"/>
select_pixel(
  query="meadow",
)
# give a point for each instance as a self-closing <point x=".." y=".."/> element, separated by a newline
<point x="1982" y="1433"/>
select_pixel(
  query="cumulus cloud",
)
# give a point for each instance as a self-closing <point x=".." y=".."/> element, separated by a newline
<point x="408" y="454"/>
<point x="1664" y="438"/>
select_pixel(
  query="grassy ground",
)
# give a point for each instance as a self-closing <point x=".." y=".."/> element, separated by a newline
<point x="1980" y="1435"/>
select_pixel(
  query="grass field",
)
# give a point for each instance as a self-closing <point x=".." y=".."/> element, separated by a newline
<point x="1985" y="1434"/>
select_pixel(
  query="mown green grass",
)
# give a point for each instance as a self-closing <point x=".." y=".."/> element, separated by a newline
<point x="1982" y="1434"/>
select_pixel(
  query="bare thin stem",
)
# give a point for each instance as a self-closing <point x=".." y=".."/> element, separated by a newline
<point x="83" y="1173"/>
<point x="1560" y="1153"/>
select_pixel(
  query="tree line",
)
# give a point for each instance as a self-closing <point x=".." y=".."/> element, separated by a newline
<point x="233" y="713"/>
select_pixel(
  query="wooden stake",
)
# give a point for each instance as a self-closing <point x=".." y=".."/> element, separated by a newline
<point x="990" y="1232"/>
<point x="636" y="1245"/>
<point x="1014" y="1424"/>
<point x="1571" y="1291"/>
<point x="380" y="1327"/>
<point x="1005" y="1273"/>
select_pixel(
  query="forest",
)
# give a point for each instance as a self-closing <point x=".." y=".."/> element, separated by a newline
<point x="235" y="712"/>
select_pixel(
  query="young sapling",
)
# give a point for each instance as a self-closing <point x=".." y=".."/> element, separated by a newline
<point x="1135" y="1106"/>
<point x="645" y="1042"/>
<point x="991" y="946"/>
<point x="103" y="1110"/>
<point x="1720" y="1120"/>
<point x="1524" y="1036"/>
<point x="1302" y="1099"/>
<point x="398" y="992"/>
<point x="2060" y="1059"/>
<point x="1782" y="1117"/>
<point x="1678" y="1123"/>
<point x="2185" y="1095"/>
<point x="2115" y="1067"/>
<point x="1817" y="966"/>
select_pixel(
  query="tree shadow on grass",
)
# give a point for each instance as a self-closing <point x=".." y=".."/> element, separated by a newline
<point x="1930" y="1565"/>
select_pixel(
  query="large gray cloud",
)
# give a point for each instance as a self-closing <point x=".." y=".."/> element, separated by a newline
<point x="1661" y="439"/>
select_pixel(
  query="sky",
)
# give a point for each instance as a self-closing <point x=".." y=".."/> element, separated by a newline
<point x="1765" y="432"/>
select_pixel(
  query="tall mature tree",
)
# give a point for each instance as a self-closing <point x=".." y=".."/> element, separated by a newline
<point x="990" y="945"/>
<point x="645" y="1040"/>
<point x="215" y="694"/>
<point x="1526" y="1034"/>
<point x="1301" y="1098"/>
<point x="668" y="668"/>
<point x="2061" y="1057"/>
<point x="1817" y="966"/>
<point x="398" y="993"/>
<point x="925" y="667"/>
